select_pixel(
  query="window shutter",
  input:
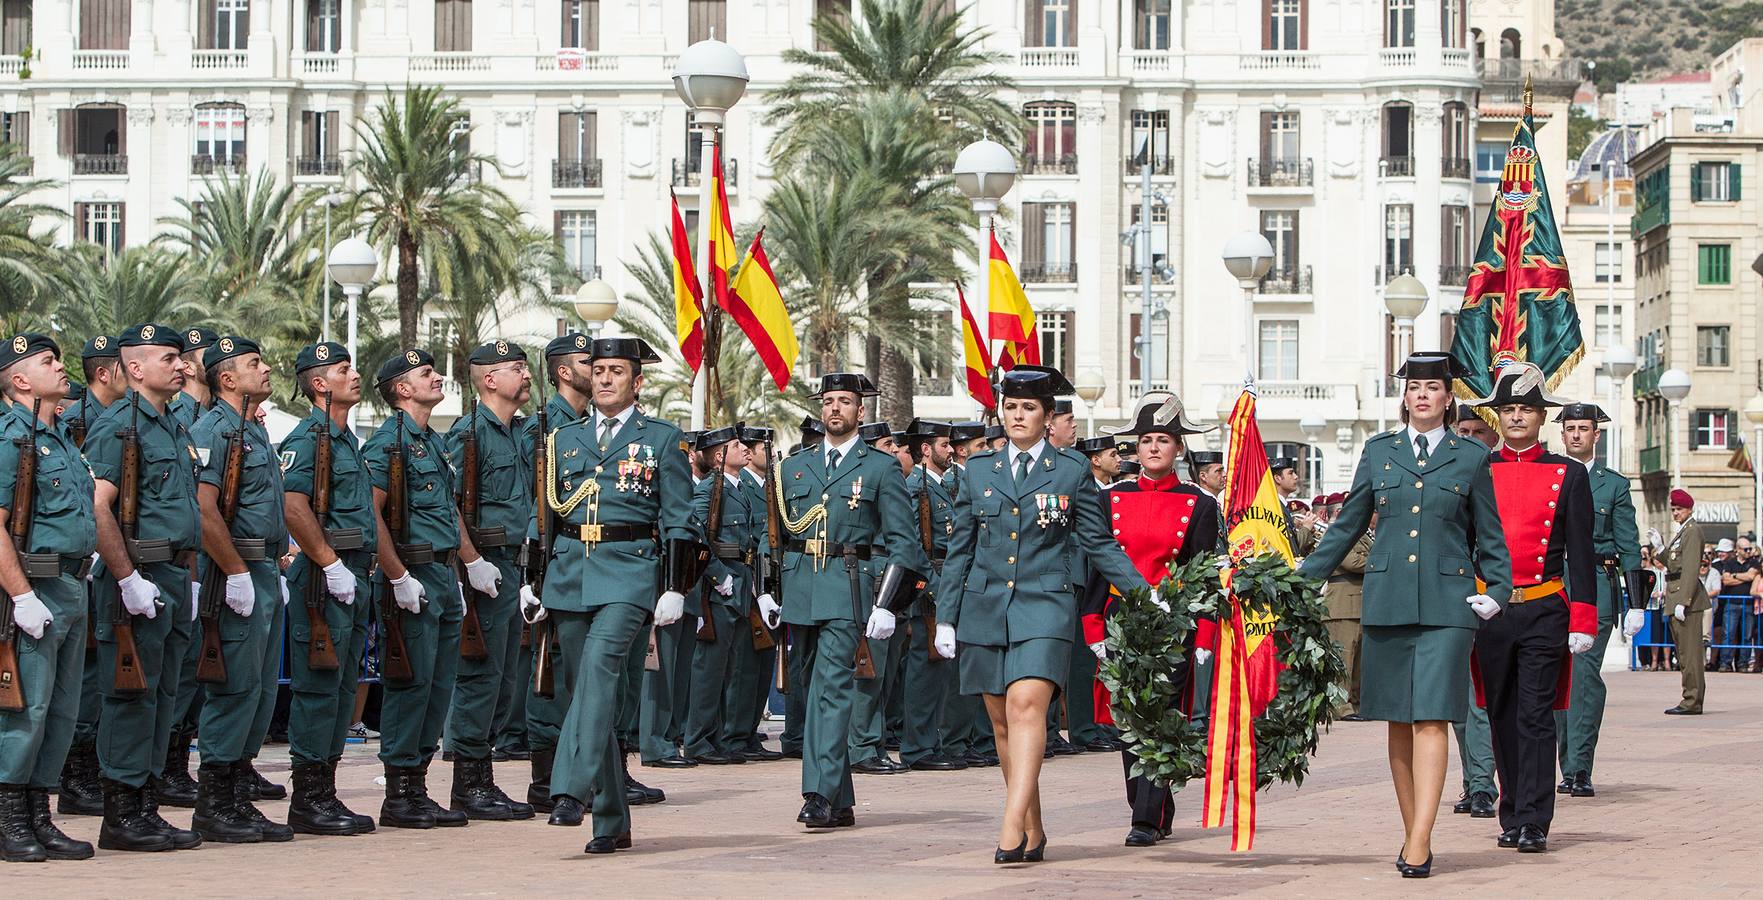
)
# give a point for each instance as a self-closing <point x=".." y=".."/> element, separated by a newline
<point x="563" y="26"/>
<point x="205" y="25"/>
<point x="331" y="137"/>
<point x="1303" y="24"/>
<point x="1133" y="346"/>
<point x="1070" y="240"/>
<point x="122" y="130"/>
<point x="1032" y="18"/>
<point x="64" y="127"/>
<point x="121" y="221"/>
<point x="1266" y="140"/>
<point x="1266" y="25"/>
<point x="1295" y="257"/>
<point x="1696" y="183"/>
<point x="566" y="126"/>
<point x="313" y="7"/>
<point x="590" y="24"/>
<point x="1384" y="122"/>
<point x="1732" y="181"/>
<point x="308" y="134"/>
<point x="1069" y="35"/>
<point x="1034" y="251"/>
<point x="557" y="225"/>
<point x="21" y="131"/>
<point x="1733" y="441"/>
<point x="79" y="221"/>
<point x="590" y="141"/>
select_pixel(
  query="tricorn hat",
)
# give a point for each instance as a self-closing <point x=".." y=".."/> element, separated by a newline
<point x="1035" y="382"/>
<point x="1432" y="364"/>
<point x="1160" y="412"/>
<point x="870" y="432"/>
<point x="636" y="350"/>
<point x="1520" y="382"/>
<point x="1590" y="411"/>
<point x="855" y="382"/>
<point x="962" y="432"/>
<point x="1281" y="463"/>
<point x="712" y="438"/>
<point x="1094" y="445"/>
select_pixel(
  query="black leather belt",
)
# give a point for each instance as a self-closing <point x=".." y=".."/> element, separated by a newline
<point x="489" y="537"/>
<point x="53" y="565"/>
<point x="342" y="539"/>
<point x="730" y="550"/>
<point x="939" y="553"/>
<point x="601" y="534"/>
<point x="828" y="549"/>
<point x="251" y="549"/>
<point x="1673" y="576"/>
<point x="423" y="553"/>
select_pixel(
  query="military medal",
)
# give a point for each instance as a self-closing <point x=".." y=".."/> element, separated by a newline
<point x="856" y="492"/>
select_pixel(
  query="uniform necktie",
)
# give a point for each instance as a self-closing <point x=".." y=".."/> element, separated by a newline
<point x="1022" y="461"/>
<point x="1420" y="447"/>
<point x="606" y="426"/>
<point x="832" y="460"/>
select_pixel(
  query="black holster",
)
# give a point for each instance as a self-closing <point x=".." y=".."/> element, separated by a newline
<point x="1640" y="587"/>
<point x="900" y="586"/>
<point x="683" y="563"/>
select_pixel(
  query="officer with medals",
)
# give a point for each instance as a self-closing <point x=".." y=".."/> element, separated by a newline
<point x="626" y="550"/>
<point x="1686" y="601"/>
<point x="1616" y="541"/>
<point x="1520" y="659"/>
<point x="502" y="382"/>
<point x="868" y="718"/>
<point x="327" y="583"/>
<point x="416" y="572"/>
<point x="80" y="793"/>
<point x="754" y="666"/>
<point x="144" y="583"/>
<point x="732" y="524"/>
<point x="842" y="506"/>
<point x="927" y="676"/>
<point x="44" y="579"/>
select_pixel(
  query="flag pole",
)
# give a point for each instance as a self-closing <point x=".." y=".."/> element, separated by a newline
<point x="706" y="275"/>
<point x="982" y="320"/>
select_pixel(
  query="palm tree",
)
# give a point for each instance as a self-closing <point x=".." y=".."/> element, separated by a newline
<point x="421" y="200"/>
<point x="103" y="295"/>
<point x="515" y="275"/>
<point x="27" y="256"/>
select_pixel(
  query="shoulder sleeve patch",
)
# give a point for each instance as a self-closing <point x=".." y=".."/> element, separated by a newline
<point x="287" y="460"/>
<point x="202" y="455"/>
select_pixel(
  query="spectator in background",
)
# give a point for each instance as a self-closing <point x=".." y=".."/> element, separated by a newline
<point x="1655" y="658"/>
<point x="1738" y="570"/>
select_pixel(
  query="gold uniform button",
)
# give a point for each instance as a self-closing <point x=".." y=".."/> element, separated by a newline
<point x="1010" y="584"/>
<point x="1011" y="560"/>
<point x="1013" y="535"/>
<point x="1420" y="484"/>
<point x="1415" y="508"/>
<point x="1412" y="557"/>
<point x="1014" y="511"/>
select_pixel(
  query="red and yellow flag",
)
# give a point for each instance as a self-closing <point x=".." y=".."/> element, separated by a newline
<point x="757" y="305"/>
<point x="688" y="296"/>
<point x="722" y="231"/>
<point x="1011" y="318"/>
<point x="1246" y="675"/>
<point x="977" y="361"/>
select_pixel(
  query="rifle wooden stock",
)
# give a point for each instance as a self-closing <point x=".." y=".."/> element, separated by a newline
<point x="11" y="691"/>
<point x="544" y="677"/>
<point x="780" y="676"/>
<point x="712" y="529"/>
<point x="394" y="652"/>
<point x="762" y="639"/>
<point x="543" y="633"/>
<point x="211" y="665"/>
<point x="926" y="540"/>
<point x="18" y="526"/>
<point x="774" y="545"/>
<point x="471" y="627"/>
<point x="321" y="647"/>
<point x="129" y="678"/>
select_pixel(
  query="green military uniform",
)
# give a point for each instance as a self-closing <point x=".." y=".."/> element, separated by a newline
<point x="666" y="694"/>
<point x="174" y="787"/>
<point x="544" y="715"/>
<point x="1345" y="603"/>
<point x="927" y="676"/>
<point x="322" y="705"/>
<point x="967" y="732"/>
<point x="504" y="510"/>
<point x="716" y="701"/>
<point x="619" y="488"/>
<point x="795" y="664"/>
<point x="134" y="729"/>
<point x="754" y="667"/>
<point x="34" y="741"/>
<point x="1683" y="587"/>
<point x="1616" y="541"/>
<point x="837" y="519"/>
<point x="868" y="751"/>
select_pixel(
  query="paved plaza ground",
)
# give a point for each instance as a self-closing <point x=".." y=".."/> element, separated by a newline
<point x="1677" y="815"/>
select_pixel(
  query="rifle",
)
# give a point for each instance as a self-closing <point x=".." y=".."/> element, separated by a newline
<point x="471" y="628"/>
<point x="211" y="665"/>
<point x="77" y="431"/>
<point x="773" y="570"/>
<point x="538" y="557"/>
<point x="925" y="539"/>
<point x="23" y="509"/>
<point x="395" y="656"/>
<point x="321" y="648"/>
<point x="713" y="530"/>
<point x="129" y="678"/>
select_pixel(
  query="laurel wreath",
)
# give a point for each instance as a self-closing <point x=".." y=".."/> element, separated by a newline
<point x="1145" y="642"/>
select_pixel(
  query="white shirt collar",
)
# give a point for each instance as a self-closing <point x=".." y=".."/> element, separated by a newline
<point x="733" y="480"/>
<point x="621" y="417"/>
<point x="1034" y="453"/>
<point x="1434" y="439"/>
<point x="1587" y="463"/>
<point x="844" y="449"/>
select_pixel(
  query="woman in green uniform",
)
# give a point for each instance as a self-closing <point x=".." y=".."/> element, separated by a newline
<point x="1437" y="530"/>
<point x="1005" y="592"/>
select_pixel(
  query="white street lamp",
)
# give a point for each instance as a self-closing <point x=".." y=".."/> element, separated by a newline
<point x="1754" y="414"/>
<point x="1248" y="256"/>
<point x="1091" y="385"/>
<point x="1313" y="424"/>
<point x="1619" y="363"/>
<point x="710" y="77"/>
<point x="596" y="303"/>
<point x="352" y="264"/>
<point x="1404" y="297"/>
<point x="1674" y="385"/>
<point x="328" y="201"/>
<point x="984" y="171"/>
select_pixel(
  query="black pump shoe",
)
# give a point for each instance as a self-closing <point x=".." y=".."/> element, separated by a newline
<point x="1003" y="856"/>
<point x="1411" y="871"/>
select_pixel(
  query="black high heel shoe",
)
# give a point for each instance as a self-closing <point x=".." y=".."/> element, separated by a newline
<point x="1421" y="871"/>
<point x="1399" y="854"/>
<point x="1003" y="856"/>
<point x="1038" y="853"/>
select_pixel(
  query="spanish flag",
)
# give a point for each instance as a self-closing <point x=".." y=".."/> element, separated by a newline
<point x="973" y="352"/>
<point x="758" y="307"/>
<point x="722" y="234"/>
<point x="688" y="296"/>
<point x="1011" y="318"/>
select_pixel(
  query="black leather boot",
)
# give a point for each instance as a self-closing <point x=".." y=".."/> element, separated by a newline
<point x="181" y="838"/>
<point x="218" y="817"/>
<point x="259" y="787"/>
<point x="80" y="794"/>
<point x="516" y="809"/>
<point x="363" y="824"/>
<point x="470" y="794"/>
<point x="59" y="845"/>
<point x="18" y="842"/>
<point x="444" y="817"/>
<point x="307" y="811"/>
<point x="175" y="787"/>
<point x="401" y="808"/>
<point x="126" y="826"/>
<point x="538" y="793"/>
<point x="272" y="831"/>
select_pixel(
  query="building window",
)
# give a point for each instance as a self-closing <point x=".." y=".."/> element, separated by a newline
<point x="1398" y="239"/>
<point x="101" y="224"/>
<point x="220" y="132"/>
<point x="1150" y="138"/>
<point x="1159" y="238"/>
<point x="1051" y="137"/>
<point x="324" y="26"/>
<point x="1398" y="23"/>
<point x="442" y="331"/>
<point x="1151" y="24"/>
<point x="1712" y="429"/>
<point x="706" y="19"/>
<point x="1050" y="23"/>
<point x="224" y="24"/>
<point x="1047" y="242"/>
<point x="1157" y="367"/>
<point x="1451" y="23"/>
<point x="1456" y="138"/>
<point x="829" y="12"/>
<point x="1058" y="346"/>
<point x="577" y="231"/>
<point x="1714" y="264"/>
<point x="15" y="34"/>
<point x="1607" y="326"/>
<point x="15" y="129"/>
<point x="318" y="144"/>
<point x="1714" y="182"/>
<point x="1490" y="161"/>
<point x="1284" y="25"/>
<point x="1278" y="356"/>
<point x="1398" y="139"/>
<point x="105" y="24"/>
<point x="1455" y="260"/>
<point x="1607" y="263"/>
<point x="578" y="160"/>
<point x="1279" y="141"/>
<point x="1280" y="227"/>
<point x="581" y="24"/>
<point x="95" y="137"/>
<point x="452" y="26"/>
<point x="1714" y="346"/>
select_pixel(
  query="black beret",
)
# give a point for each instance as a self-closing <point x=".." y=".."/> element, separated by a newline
<point x="323" y="353"/>
<point x="403" y="362"/>
<point x="198" y="338"/>
<point x="101" y="346"/>
<point x="490" y="353"/>
<point x="226" y="348"/>
<point x="23" y="346"/>
<point x="149" y="334"/>
<point x="569" y="343"/>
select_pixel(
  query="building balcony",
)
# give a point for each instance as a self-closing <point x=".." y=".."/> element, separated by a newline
<point x="207" y="164"/>
<point x="686" y="173"/>
<point x="575" y="173"/>
<point x="1287" y="281"/>
<point x="1048" y="57"/>
<point x="1049" y="273"/>
<point x="318" y="64"/>
<point x="1652" y="460"/>
<point x="1455" y="276"/>
<point x="1397" y="57"/>
<point x="11" y="64"/>
<point x="1646" y="379"/>
<point x="1279" y="172"/>
<point x="100" y="60"/>
<point x="1395" y="167"/>
<point x="1160" y="165"/>
<point x="215" y="60"/>
<point x="1649" y="217"/>
<point x="1039" y="164"/>
<point x="450" y="61"/>
<point x="1279" y="60"/>
<point x="1551" y="72"/>
<point x="100" y="164"/>
<point x="1455" y="167"/>
<point x="318" y="165"/>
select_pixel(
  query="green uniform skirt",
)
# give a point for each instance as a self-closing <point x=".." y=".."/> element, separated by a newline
<point x="991" y="670"/>
<point x="1415" y="673"/>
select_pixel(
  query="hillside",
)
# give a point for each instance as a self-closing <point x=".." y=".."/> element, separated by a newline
<point x="1645" y="40"/>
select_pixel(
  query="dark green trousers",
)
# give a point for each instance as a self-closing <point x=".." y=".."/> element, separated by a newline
<point x="589" y="762"/>
<point x="800" y="676"/>
<point x="629" y="726"/>
<point x="509" y="727"/>
<point x="477" y="687"/>
<point x="869" y="714"/>
<point x="322" y="706"/>
<point x="85" y="729"/>
<point x="667" y="691"/>
<point x="412" y="713"/>
<point x="544" y="715"/>
<point x="1475" y="750"/>
<point x="135" y="729"/>
<point x="1577" y="726"/>
<point x="752" y="690"/>
<point x="925" y="685"/>
<point x="34" y="740"/>
<point x="1080" y="692"/>
<point x="715" y="683"/>
<point x="830" y="648"/>
<point x="229" y="714"/>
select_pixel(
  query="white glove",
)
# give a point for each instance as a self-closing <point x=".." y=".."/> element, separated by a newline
<point x="1633" y="621"/>
<point x="1483" y="605"/>
<point x="1322" y="591"/>
<point x="1099" y="649"/>
<point x="531" y="608"/>
<point x="1158" y="601"/>
<point x="284" y="582"/>
<point x="485" y="578"/>
<point x="30" y="615"/>
<point x="340" y="582"/>
<point x="241" y="597"/>
<point x="1578" y="643"/>
<point x="92" y="569"/>
<point x="139" y="596"/>
<point x="407" y="592"/>
<point x="1201" y="655"/>
<point x="669" y="607"/>
<point x="881" y="625"/>
<point x="461" y="590"/>
<point x="1678" y="613"/>
<point x="770" y="610"/>
<point x="727" y="587"/>
<point x="945" y="642"/>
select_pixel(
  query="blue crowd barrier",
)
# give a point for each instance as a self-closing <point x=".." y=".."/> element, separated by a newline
<point x="1656" y="632"/>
